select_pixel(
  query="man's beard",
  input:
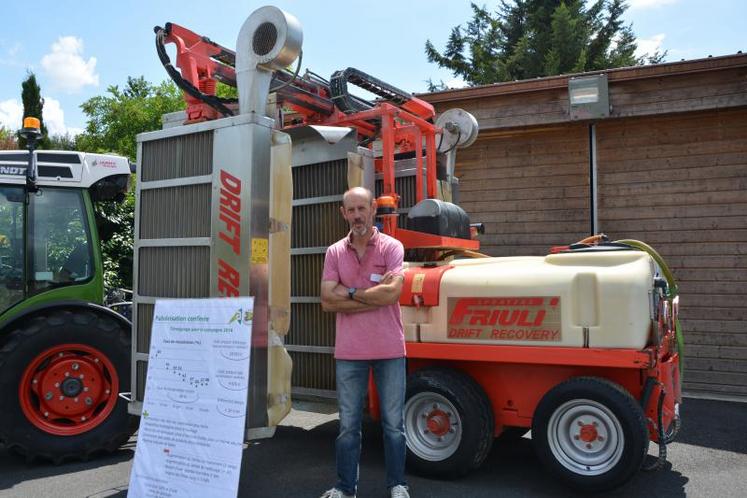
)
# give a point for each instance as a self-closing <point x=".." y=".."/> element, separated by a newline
<point x="359" y="230"/>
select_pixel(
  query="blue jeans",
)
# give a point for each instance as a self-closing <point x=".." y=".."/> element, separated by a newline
<point x="352" y="385"/>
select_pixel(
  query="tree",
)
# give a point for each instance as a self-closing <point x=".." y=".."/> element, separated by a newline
<point x="535" y="38"/>
<point x="7" y="139"/>
<point x="62" y="142"/>
<point x="114" y="120"/>
<point x="33" y="105"/>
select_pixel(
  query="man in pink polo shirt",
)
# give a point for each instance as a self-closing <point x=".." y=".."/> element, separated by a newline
<point x="362" y="281"/>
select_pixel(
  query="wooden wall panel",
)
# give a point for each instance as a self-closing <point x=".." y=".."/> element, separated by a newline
<point x="683" y="92"/>
<point x="680" y="184"/>
<point x="530" y="189"/>
<point x="672" y="172"/>
<point x="660" y="89"/>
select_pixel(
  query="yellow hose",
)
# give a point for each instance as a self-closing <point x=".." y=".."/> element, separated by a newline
<point x="668" y="275"/>
<point x="672" y="291"/>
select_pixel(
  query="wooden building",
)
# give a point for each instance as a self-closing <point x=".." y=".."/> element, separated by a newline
<point x="667" y="165"/>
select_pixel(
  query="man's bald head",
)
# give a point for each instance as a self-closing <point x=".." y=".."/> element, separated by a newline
<point x="357" y="193"/>
<point x="359" y="209"/>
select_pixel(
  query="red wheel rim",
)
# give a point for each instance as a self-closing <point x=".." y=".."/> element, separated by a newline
<point x="68" y="389"/>
<point x="438" y="422"/>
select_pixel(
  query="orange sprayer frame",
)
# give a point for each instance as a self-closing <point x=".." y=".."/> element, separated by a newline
<point x="403" y="128"/>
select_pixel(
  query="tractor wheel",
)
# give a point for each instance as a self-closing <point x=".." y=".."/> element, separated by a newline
<point x="590" y="433"/>
<point x="448" y="423"/>
<point x="60" y="376"/>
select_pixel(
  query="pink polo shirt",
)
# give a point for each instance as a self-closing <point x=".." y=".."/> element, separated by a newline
<point x="373" y="334"/>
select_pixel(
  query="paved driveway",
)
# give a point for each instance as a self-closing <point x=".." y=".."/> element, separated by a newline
<point x="708" y="460"/>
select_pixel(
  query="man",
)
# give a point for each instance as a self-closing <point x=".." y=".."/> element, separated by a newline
<point x="361" y="282"/>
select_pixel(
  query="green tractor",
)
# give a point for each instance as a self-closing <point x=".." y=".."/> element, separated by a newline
<point x="64" y="356"/>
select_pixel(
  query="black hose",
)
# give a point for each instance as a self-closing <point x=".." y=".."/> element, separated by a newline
<point x="662" y="459"/>
<point x="216" y="103"/>
<point x="459" y="137"/>
<point x="295" y="75"/>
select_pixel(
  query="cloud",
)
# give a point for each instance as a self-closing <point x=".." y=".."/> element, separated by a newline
<point x="456" y="83"/>
<point x="54" y="116"/>
<point x="8" y="54"/>
<point x="54" y="119"/>
<point x="648" y="4"/>
<point x="13" y="51"/>
<point x="66" y="67"/>
<point x="649" y="45"/>
<point x="11" y="114"/>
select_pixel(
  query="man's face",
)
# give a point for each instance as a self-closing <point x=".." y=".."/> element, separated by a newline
<point x="358" y="210"/>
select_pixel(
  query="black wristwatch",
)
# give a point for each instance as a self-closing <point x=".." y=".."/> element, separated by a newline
<point x="351" y="292"/>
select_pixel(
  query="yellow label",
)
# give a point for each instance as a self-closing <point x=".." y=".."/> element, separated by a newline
<point x="259" y="251"/>
<point x="417" y="283"/>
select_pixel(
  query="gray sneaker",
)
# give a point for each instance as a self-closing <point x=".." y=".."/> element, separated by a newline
<point x="399" y="491"/>
<point x="336" y="493"/>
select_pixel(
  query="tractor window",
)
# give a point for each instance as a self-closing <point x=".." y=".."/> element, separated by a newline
<point x="11" y="246"/>
<point x="59" y="239"/>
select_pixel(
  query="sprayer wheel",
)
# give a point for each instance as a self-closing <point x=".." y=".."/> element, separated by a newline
<point x="448" y="423"/>
<point x="590" y="433"/>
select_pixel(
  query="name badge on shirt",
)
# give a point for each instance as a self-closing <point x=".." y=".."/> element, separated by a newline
<point x="376" y="277"/>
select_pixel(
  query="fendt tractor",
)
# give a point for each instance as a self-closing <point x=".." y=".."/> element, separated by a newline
<point x="64" y="357"/>
<point x="580" y="346"/>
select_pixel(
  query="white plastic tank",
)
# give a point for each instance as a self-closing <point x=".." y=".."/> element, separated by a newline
<point x="597" y="299"/>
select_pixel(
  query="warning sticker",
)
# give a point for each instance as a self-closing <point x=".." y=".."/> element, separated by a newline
<point x="259" y="251"/>
<point x="505" y="318"/>
<point x="417" y="283"/>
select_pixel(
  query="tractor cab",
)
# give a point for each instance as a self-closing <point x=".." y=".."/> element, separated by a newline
<point x="64" y="357"/>
<point x="48" y="239"/>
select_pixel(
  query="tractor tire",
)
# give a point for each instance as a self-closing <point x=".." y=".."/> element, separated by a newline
<point x="449" y="423"/>
<point x="61" y="373"/>
<point x="590" y="433"/>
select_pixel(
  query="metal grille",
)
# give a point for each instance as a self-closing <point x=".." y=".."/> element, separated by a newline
<point x="317" y="225"/>
<point x="176" y="212"/>
<point x="177" y="157"/>
<point x="144" y="323"/>
<point x="313" y="371"/>
<point x="306" y="273"/>
<point x="142" y="375"/>
<point x="310" y="326"/>
<point x="174" y="272"/>
<point x="320" y="179"/>
<point x="170" y="260"/>
<point x="405" y="187"/>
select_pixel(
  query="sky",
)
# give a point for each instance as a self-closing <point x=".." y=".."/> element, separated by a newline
<point x="78" y="49"/>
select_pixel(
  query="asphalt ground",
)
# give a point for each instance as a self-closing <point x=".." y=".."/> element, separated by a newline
<point x="709" y="459"/>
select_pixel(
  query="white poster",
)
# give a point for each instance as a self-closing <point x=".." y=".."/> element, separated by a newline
<point x="192" y="428"/>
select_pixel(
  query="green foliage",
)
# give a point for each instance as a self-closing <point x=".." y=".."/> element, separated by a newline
<point x="7" y="139"/>
<point x="226" y="92"/>
<point x="33" y="105"/>
<point x="114" y="120"/>
<point x="535" y="38"/>
<point x="115" y="222"/>
<point x="62" y="142"/>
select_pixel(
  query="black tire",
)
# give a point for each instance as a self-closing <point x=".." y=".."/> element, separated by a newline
<point x="590" y="433"/>
<point x="55" y="330"/>
<point x="460" y="414"/>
